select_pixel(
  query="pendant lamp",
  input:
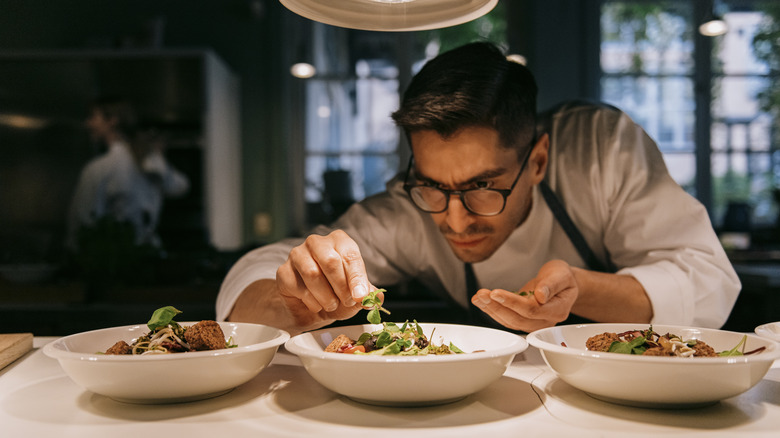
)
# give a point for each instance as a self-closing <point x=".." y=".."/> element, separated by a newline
<point x="713" y="23"/>
<point x="391" y="15"/>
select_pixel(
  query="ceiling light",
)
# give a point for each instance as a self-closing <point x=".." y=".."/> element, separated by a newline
<point x="391" y="15"/>
<point x="715" y="26"/>
<point x="303" y="70"/>
<point x="518" y="58"/>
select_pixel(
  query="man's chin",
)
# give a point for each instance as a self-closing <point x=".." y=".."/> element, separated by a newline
<point x="469" y="255"/>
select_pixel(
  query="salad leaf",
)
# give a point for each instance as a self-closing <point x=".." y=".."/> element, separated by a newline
<point x="162" y="317"/>
<point x="635" y="346"/>
<point x="374" y="317"/>
<point x="392" y="349"/>
<point x="384" y="339"/>
<point x="375" y="305"/>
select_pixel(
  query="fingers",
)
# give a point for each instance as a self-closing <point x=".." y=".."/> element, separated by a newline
<point x="325" y="272"/>
<point x="524" y="312"/>
<point x="355" y="272"/>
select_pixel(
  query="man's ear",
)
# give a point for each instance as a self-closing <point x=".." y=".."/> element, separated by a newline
<point x="537" y="162"/>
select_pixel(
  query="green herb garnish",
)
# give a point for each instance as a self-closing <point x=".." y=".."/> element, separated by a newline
<point x="375" y="306"/>
<point x="162" y="317"/>
<point x="524" y="293"/>
<point x="395" y="340"/>
<point x="634" y="346"/>
<point x="736" y="350"/>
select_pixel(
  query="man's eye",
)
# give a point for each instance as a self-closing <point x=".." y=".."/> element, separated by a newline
<point x="482" y="185"/>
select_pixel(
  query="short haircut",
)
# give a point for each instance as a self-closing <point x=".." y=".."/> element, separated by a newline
<point x="113" y="107"/>
<point x="472" y="85"/>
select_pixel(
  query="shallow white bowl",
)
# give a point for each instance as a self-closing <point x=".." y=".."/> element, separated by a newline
<point x="654" y="381"/>
<point x="769" y="331"/>
<point x="409" y="380"/>
<point x="165" y="378"/>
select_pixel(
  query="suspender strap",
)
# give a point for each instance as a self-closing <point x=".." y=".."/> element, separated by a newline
<point x="572" y="232"/>
<point x="475" y="315"/>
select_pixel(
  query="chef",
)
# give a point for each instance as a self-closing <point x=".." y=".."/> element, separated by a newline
<point x="523" y="220"/>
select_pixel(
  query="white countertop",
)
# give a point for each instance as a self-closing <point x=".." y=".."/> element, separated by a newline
<point x="37" y="399"/>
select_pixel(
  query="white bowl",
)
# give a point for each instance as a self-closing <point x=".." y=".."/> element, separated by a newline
<point x="165" y="378"/>
<point x="409" y="380"/>
<point x="769" y="331"/>
<point x="654" y="381"/>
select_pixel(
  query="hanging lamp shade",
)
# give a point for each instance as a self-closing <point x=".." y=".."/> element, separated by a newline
<point x="391" y="15"/>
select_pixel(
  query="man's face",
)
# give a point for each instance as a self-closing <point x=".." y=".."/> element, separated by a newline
<point x="471" y="158"/>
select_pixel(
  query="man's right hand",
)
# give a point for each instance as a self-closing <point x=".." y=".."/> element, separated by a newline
<point x="324" y="279"/>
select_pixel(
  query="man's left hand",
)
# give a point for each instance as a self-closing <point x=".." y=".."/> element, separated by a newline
<point x="542" y="302"/>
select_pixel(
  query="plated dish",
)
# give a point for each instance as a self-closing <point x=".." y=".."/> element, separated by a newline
<point x="409" y="380"/>
<point x="165" y="378"/>
<point x="655" y="381"/>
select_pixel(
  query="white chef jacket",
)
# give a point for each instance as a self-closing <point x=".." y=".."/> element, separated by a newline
<point x="114" y="185"/>
<point x="613" y="182"/>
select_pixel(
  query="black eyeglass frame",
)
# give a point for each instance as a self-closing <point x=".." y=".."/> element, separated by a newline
<point x="503" y="192"/>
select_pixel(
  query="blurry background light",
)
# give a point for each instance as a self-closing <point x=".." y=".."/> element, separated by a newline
<point x="713" y="27"/>
<point x="303" y="70"/>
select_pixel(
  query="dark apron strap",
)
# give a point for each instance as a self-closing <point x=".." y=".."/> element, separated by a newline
<point x="475" y="315"/>
<point x="478" y="317"/>
<point x="591" y="261"/>
<point x="571" y="230"/>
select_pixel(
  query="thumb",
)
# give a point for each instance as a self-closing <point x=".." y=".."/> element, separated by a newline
<point x="357" y="280"/>
<point x="542" y="294"/>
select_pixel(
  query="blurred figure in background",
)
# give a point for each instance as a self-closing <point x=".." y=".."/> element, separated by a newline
<point x="127" y="183"/>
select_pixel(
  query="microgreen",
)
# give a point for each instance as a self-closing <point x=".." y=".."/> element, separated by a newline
<point x="524" y="293"/>
<point x="455" y="349"/>
<point x="374" y="304"/>
<point x="392" y="339"/>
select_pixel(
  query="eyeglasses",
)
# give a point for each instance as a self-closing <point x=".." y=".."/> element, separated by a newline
<point x="481" y="201"/>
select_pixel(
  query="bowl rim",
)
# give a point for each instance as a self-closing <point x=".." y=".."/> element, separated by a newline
<point x="764" y="328"/>
<point x="771" y="353"/>
<point x="517" y="345"/>
<point x="55" y="348"/>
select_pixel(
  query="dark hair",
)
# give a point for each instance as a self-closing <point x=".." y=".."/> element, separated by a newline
<point x="112" y="107"/>
<point x="472" y="85"/>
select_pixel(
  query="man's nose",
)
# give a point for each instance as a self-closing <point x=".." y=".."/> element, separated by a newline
<point x="458" y="218"/>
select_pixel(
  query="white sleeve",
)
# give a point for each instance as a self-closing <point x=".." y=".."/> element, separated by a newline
<point x="663" y="237"/>
<point x="382" y="226"/>
<point x="260" y="263"/>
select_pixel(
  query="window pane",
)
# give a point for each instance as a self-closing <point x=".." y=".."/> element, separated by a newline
<point x="649" y="37"/>
<point x="647" y="72"/>
<point x="664" y="107"/>
<point x="736" y="97"/>
<point x="733" y="51"/>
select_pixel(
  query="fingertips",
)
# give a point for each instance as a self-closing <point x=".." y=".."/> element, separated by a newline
<point x="481" y="298"/>
<point x="542" y="294"/>
<point x="359" y="291"/>
<point x="497" y="296"/>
